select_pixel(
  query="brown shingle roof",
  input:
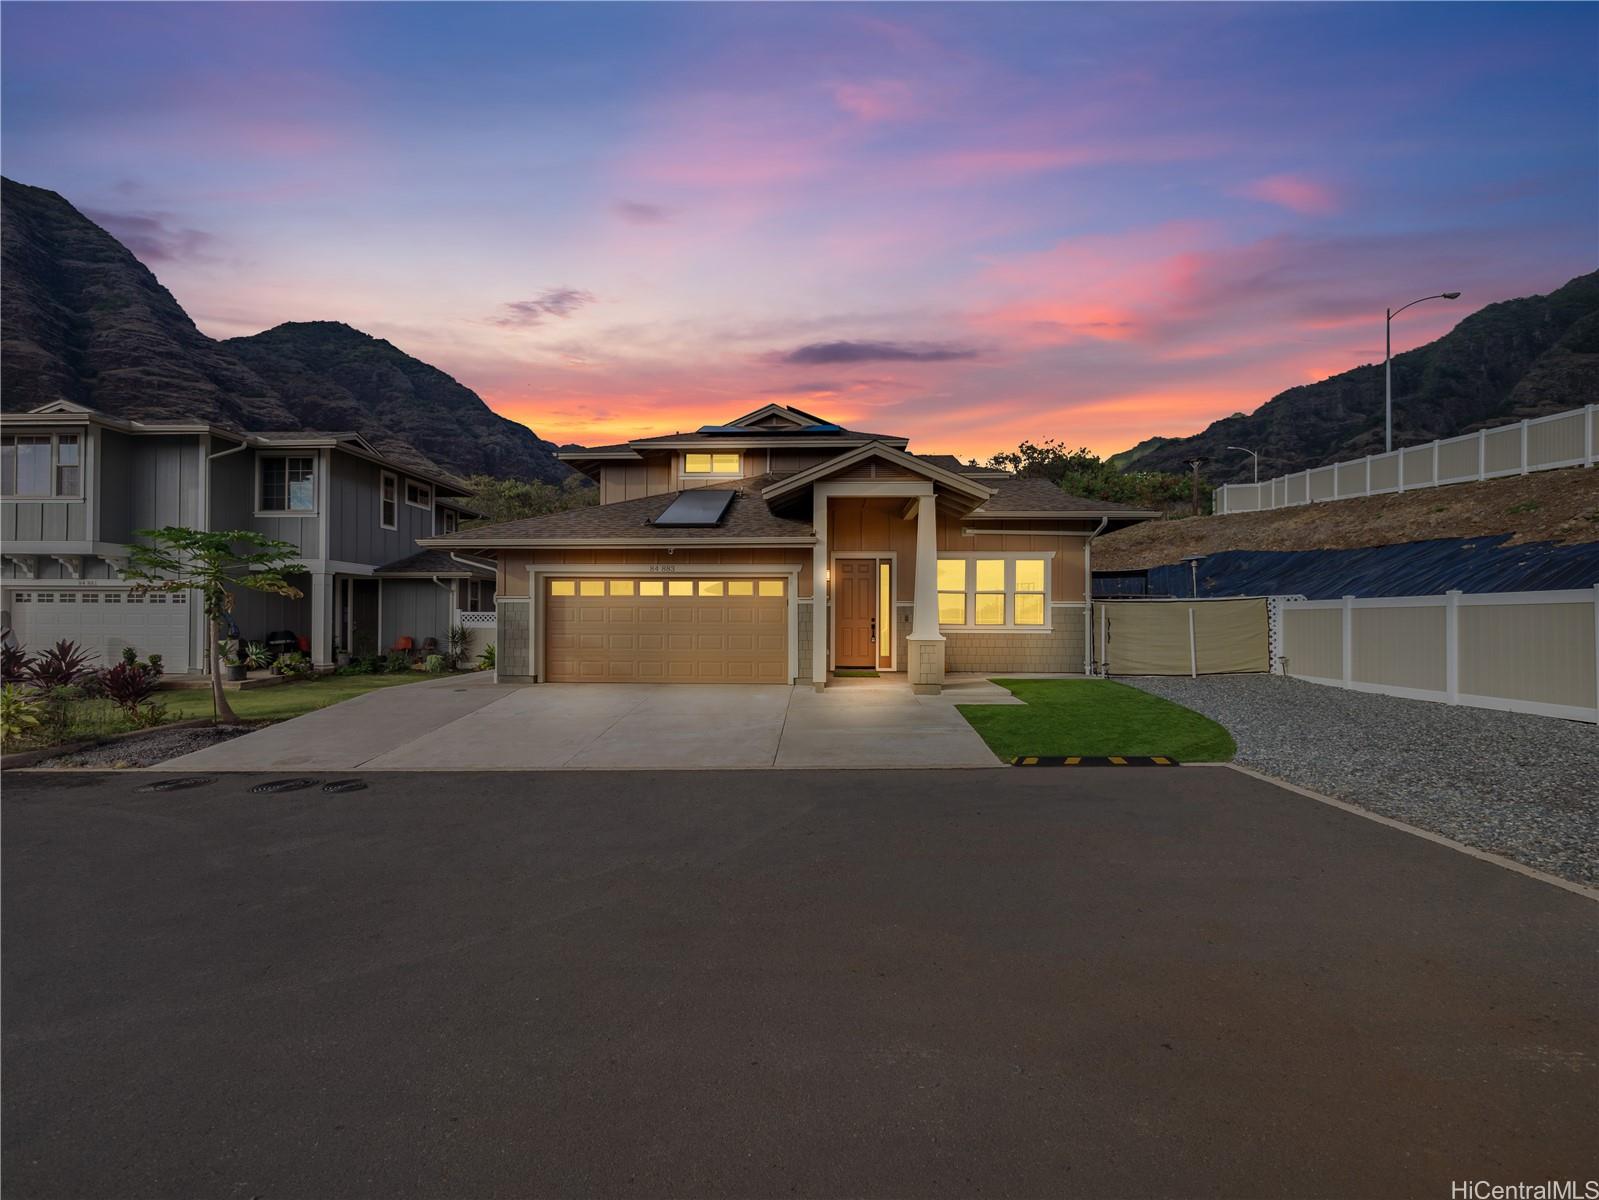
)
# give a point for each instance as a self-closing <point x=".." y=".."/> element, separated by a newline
<point x="1040" y="495"/>
<point x="747" y="517"/>
<point x="433" y="562"/>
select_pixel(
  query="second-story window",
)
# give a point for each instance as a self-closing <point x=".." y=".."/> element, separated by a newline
<point x="288" y="484"/>
<point x="389" y="501"/>
<point x="418" y="495"/>
<point x="41" y="465"/>
<point x="711" y="464"/>
<point x="449" y="521"/>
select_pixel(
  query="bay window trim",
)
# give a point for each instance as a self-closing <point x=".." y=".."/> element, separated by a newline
<point x="971" y="591"/>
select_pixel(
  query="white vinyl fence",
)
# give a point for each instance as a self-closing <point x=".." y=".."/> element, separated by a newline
<point x="479" y="628"/>
<point x="1532" y="652"/>
<point x="1568" y="439"/>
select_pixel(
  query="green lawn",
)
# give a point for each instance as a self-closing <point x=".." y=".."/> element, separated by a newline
<point x="286" y="700"/>
<point x="1095" y="717"/>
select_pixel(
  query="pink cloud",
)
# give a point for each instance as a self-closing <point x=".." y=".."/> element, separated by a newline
<point x="878" y="100"/>
<point x="1297" y="193"/>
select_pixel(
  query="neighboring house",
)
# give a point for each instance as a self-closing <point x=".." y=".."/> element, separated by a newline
<point x="75" y="485"/>
<point x="779" y="548"/>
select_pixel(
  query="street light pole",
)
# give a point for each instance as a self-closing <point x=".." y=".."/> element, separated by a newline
<point x="1252" y="455"/>
<point x="1388" y="366"/>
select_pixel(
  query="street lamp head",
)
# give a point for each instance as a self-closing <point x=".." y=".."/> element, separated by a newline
<point x="1451" y="295"/>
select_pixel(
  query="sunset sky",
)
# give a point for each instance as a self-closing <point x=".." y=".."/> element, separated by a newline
<point x="965" y="224"/>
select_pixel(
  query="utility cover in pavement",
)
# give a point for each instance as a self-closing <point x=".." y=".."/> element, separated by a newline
<point x="345" y="785"/>
<point x="176" y="785"/>
<point x="283" y="785"/>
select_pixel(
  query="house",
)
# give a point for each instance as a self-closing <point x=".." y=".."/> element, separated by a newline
<point x="781" y="548"/>
<point x="76" y="484"/>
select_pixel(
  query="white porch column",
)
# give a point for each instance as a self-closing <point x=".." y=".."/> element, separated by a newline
<point x="820" y="624"/>
<point x="322" y="619"/>
<point x="925" y="645"/>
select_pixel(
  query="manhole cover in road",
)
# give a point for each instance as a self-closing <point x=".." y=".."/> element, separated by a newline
<point x="345" y="785"/>
<point x="283" y="785"/>
<point x="176" y="785"/>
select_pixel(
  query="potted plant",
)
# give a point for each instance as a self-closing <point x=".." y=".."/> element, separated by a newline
<point x="341" y="656"/>
<point x="233" y="669"/>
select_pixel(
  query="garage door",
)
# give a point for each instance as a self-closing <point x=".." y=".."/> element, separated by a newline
<point x="666" y="630"/>
<point x="102" y="621"/>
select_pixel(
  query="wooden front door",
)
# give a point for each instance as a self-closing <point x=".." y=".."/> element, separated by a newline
<point x="856" y="632"/>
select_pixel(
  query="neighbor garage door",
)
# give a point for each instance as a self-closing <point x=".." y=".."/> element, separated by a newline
<point x="102" y="621"/>
<point x="637" y="630"/>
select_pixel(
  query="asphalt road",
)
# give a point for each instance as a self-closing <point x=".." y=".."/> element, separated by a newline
<point x="1102" y="982"/>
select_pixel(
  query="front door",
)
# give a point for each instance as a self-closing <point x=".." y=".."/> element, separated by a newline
<point x="856" y="634"/>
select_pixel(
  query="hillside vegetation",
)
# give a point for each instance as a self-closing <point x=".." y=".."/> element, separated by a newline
<point x="1548" y="506"/>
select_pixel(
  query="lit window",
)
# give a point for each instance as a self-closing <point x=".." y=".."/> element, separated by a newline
<point x="741" y="587"/>
<point x="982" y="591"/>
<point x="288" y="484"/>
<point x="710" y="587"/>
<point x="680" y="587"/>
<point x="952" y="608"/>
<point x="711" y="464"/>
<point x="418" y="495"/>
<point x="1029" y="609"/>
<point x="771" y="587"/>
<point x="952" y="591"/>
<point x="42" y="465"/>
<point x="988" y="607"/>
<point x="621" y="587"/>
<point x="563" y="587"/>
<point x="389" y="505"/>
<point x="1029" y="589"/>
<point x="651" y="587"/>
<point x="591" y="587"/>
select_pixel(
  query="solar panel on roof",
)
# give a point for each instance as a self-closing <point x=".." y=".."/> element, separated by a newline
<point x="771" y="430"/>
<point x="702" y="506"/>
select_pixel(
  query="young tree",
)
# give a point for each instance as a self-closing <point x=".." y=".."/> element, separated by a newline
<point x="176" y="559"/>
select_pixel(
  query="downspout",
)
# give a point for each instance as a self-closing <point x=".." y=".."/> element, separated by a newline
<point x="449" y="609"/>
<point x="1088" y="597"/>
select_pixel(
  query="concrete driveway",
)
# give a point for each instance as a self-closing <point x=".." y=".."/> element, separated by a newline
<point x="474" y="724"/>
<point x="1121" y="982"/>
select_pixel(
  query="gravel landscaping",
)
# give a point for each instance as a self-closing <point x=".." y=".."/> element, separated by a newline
<point x="1521" y="786"/>
<point x="148" y="750"/>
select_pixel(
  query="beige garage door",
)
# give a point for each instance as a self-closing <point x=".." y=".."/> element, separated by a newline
<point x="700" y="630"/>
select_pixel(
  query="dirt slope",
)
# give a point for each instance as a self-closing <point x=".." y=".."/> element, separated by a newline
<point x="1552" y="506"/>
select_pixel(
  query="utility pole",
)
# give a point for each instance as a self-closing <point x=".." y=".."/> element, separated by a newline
<point x="1196" y="463"/>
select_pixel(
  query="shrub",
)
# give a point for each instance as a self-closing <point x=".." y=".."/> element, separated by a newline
<point x="19" y="713"/>
<point x="397" y="663"/>
<point x="15" y="665"/>
<point x="128" y="685"/>
<point x="460" y="643"/>
<point x="485" y="661"/>
<point x="63" y="665"/>
<point x="297" y="665"/>
<point x="434" y="664"/>
<point x="257" y="656"/>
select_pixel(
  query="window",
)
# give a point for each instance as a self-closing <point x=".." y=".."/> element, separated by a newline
<point x="651" y="587"/>
<point x="389" y="501"/>
<point x="562" y="587"/>
<point x="591" y="587"/>
<point x="988" y="591"/>
<point x="680" y="587"/>
<point x="42" y="465"/>
<point x="740" y="587"/>
<point x="771" y="587"/>
<point x="952" y="591"/>
<point x="418" y="495"/>
<point x="288" y="484"/>
<point x="711" y="464"/>
<point x="449" y="521"/>
<point x="621" y="587"/>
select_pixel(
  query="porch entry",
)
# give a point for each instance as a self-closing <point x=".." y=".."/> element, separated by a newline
<point x="863" y="615"/>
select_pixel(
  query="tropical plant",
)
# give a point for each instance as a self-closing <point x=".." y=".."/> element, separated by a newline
<point x="257" y="657"/>
<point x="128" y="685"/>
<point x="63" y="665"/>
<point x="176" y="559"/>
<point x="485" y="660"/>
<point x="397" y="662"/>
<point x="14" y="664"/>
<point x="434" y="664"/>
<point x="460" y="644"/>
<point x="297" y="665"/>
<point x="19" y="713"/>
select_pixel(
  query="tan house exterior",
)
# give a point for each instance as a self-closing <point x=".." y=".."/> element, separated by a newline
<point x="830" y="550"/>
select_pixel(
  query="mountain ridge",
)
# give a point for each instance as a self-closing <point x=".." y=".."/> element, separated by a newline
<point x="1525" y="357"/>
<point x="86" y="321"/>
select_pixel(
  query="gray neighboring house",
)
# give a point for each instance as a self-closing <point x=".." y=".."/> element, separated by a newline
<point x="75" y="484"/>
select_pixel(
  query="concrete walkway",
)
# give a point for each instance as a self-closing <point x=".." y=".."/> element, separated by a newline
<point x="477" y="725"/>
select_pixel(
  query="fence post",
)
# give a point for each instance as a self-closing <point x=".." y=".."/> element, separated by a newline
<point x="1587" y="437"/>
<point x="1524" y="467"/>
<point x="1482" y="454"/>
<point x="1368" y="474"/>
<point x="1401" y="469"/>
<point x="1193" y="654"/>
<point x="1349" y="640"/>
<point x="1435" y="480"/>
<point x="1452" y="645"/>
<point x="1595" y="643"/>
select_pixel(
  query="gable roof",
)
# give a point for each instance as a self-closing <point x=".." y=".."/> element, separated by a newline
<point x="798" y="430"/>
<point x="632" y="521"/>
<point x="789" y="484"/>
<point x="428" y="563"/>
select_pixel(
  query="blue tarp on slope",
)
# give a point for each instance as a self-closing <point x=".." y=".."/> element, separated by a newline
<point x="1484" y="564"/>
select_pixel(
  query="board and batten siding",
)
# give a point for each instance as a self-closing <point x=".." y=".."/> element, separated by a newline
<point x="414" y="608"/>
<point x="233" y="500"/>
<point x="355" y="523"/>
<point x="148" y="483"/>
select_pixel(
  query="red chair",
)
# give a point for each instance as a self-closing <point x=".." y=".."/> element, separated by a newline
<point x="403" y="645"/>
